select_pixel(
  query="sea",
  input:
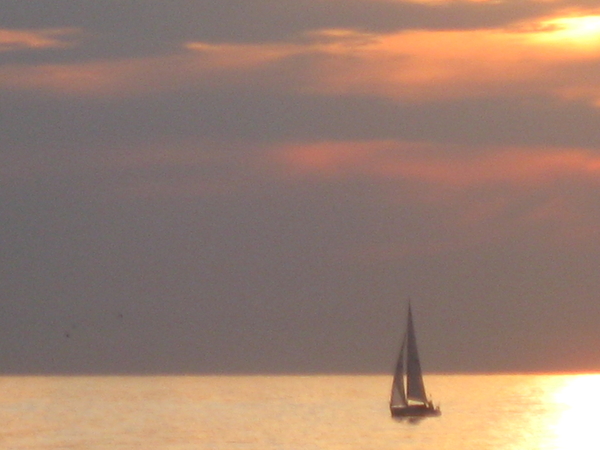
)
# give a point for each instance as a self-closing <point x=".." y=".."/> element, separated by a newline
<point x="316" y="412"/>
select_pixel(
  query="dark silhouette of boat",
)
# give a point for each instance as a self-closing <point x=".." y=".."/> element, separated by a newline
<point x="409" y="398"/>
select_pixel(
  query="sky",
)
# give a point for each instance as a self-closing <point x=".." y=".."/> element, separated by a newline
<point x="259" y="186"/>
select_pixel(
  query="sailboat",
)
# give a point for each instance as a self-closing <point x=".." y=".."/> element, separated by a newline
<point x="408" y="397"/>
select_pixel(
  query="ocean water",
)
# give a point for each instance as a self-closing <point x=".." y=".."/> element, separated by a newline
<point x="499" y="412"/>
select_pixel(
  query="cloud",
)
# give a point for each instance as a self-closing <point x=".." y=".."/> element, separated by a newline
<point x="480" y="196"/>
<point x="117" y="29"/>
<point x="544" y="57"/>
<point x="441" y="165"/>
<point x="427" y="65"/>
<point x="201" y="65"/>
<point x="18" y="40"/>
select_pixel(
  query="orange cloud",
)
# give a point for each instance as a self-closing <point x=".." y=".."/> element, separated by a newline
<point x="544" y="57"/>
<point x="547" y="56"/>
<point x="540" y="58"/>
<point x="13" y="40"/>
<point x="438" y="166"/>
<point x="203" y="64"/>
<point x="441" y="2"/>
<point x="439" y="64"/>
<point x="478" y="197"/>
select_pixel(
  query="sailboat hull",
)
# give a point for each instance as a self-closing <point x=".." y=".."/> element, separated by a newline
<point x="415" y="411"/>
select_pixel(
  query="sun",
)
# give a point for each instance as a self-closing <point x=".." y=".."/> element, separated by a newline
<point x="582" y="30"/>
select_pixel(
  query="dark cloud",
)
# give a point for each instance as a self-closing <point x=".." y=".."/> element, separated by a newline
<point x="31" y="123"/>
<point x="115" y="28"/>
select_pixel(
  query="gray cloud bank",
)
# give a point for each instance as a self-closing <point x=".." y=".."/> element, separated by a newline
<point x="143" y="27"/>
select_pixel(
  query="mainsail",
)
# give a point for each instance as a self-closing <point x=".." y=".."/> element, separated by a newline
<point x="409" y="357"/>
<point x="414" y="377"/>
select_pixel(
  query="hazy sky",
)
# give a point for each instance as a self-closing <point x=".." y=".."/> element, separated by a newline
<point x="195" y="186"/>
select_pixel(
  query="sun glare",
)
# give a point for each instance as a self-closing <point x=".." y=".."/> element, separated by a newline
<point x="583" y="30"/>
<point x="577" y="427"/>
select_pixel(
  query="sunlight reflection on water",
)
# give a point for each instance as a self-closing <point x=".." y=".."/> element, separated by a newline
<point x="479" y="412"/>
<point x="578" y="426"/>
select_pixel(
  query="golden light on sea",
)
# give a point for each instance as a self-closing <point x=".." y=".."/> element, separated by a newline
<point x="577" y="426"/>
